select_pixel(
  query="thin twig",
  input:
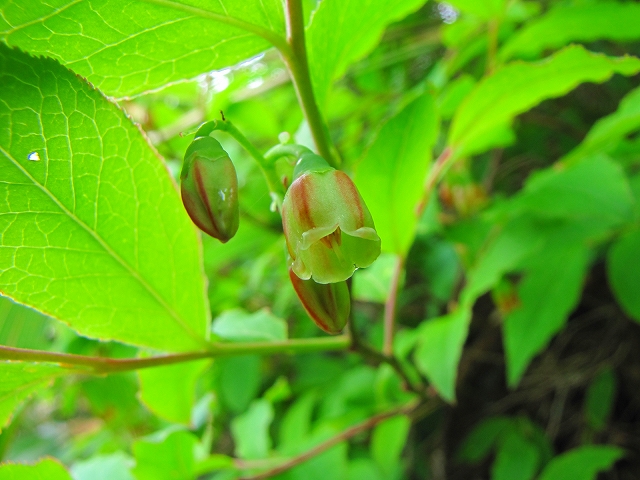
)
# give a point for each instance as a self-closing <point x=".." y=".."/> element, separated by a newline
<point x="411" y="409"/>
<point x="101" y="365"/>
<point x="390" y="307"/>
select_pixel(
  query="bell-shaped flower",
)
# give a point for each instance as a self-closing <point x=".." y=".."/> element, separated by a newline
<point x="327" y="226"/>
<point x="209" y="187"/>
<point x="328" y="305"/>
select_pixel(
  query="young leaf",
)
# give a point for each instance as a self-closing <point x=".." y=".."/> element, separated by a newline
<point x="239" y="326"/>
<point x="129" y="47"/>
<point x="582" y="463"/>
<point x="237" y="391"/>
<point x="608" y="131"/>
<point x="516" y="458"/>
<point x="93" y="231"/>
<point x="440" y="347"/>
<point x="19" y="380"/>
<point x="517" y="87"/>
<point x="114" y="466"/>
<point x="387" y="442"/>
<point x="391" y="175"/>
<point x="483" y="438"/>
<point x="45" y="469"/>
<point x="624" y="274"/>
<point x="593" y="189"/>
<point x="251" y="431"/>
<point x="600" y="398"/>
<point x="342" y="32"/>
<point x="168" y="455"/>
<point x="584" y="22"/>
<point x="169" y="391"/>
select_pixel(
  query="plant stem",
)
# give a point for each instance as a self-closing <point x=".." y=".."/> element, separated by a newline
<point x="276" y="188"/>
<point x="409" y="409"/>
<point x="439" y="166"/>
<point x="295" y="58"/>
<point x="100" y="365"/>
<point x="390" y="307"/>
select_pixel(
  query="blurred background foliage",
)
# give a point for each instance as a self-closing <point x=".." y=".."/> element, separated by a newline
<point x="569" y="384"/>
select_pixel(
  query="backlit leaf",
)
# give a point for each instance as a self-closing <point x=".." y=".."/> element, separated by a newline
<point x="93" y="232"/>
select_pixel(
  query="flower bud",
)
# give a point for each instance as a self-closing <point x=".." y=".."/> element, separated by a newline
<point x="209" y="187"/>
<point x="328" y="305"/>
<point x="328" y="228"/>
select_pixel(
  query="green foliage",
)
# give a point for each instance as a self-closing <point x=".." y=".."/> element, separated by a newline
<point x="496" y="146"/>
<point x="76" y="229"/>
<point x="517" y="87"/>
<point x="154" y="43"/>
<point x="582" y="463"/>
<point x="47" y="469"/>
<point x="390" y="176"/>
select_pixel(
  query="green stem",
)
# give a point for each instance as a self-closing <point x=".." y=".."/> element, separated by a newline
<point x="295" y="58"/>
<point x="437" y="170"/>
<point x="285" y="150"/>
<point x="411" y="409"/>
<point x="269" y="35"/>
<point x="276" y="188"/>
<point x="390" y="307"/>
<point x="100" y="365"/>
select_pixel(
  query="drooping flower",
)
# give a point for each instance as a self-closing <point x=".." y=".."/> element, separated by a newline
<point x="328" y="305"/>
<point x="328" y="228"/>
<point x="209" y="187"/>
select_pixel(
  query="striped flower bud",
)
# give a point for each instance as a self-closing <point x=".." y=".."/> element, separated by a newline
<point x="328" y="305"/>
<point x="209" y="188"/>
<point x="328" y="228"/>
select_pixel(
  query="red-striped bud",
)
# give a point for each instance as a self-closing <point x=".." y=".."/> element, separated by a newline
<point x="209" y="187"/>
<point x="327" y="226"/>
<point x="328" y="305"/>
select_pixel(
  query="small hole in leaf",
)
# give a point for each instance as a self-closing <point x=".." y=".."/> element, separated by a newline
<point x="34" y="157"/>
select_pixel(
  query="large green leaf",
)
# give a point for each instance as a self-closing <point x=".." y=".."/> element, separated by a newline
<point x="343" y="32"/>
<point x="582" y="463"/>
<point x="608" y="131"/>
<point x="127" y="47"/>
<point x="92" y="230"/>
<point x="392" y="174"/>
<point x="517" y="87"/>
<point x="45" y="469"/>
<point x="19" y="380"/>
<point x="584" y="22"/>
<point x="546" y="295"/>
